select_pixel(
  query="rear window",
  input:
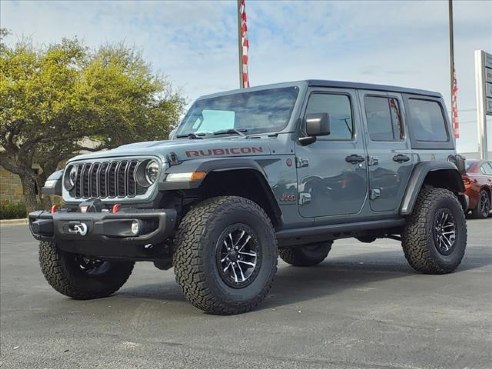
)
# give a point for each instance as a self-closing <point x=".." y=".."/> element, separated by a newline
<point x="428" y="121"/>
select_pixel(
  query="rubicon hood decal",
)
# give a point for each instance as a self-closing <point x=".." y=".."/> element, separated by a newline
<point x="224" y="151"/>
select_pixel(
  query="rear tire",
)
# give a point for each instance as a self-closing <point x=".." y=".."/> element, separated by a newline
<point x="483" y="206"/>
<point x="434" y="238"/>
<point x="81" y="277"/>
<point x="226" y="255"/>
<point x="305" y="256"/>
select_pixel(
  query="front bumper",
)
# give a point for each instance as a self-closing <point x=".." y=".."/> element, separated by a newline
<point x="105" y="234"/>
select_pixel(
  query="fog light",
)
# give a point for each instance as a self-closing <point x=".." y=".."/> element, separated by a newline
<point x="135" y="227"/>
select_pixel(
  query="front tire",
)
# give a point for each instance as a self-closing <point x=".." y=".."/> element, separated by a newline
<point x="226" y="255"/>
<point x="434" y="238"/>
<point x="483" y="206"/>
<point x="305" y="256"/>
<point x="81" y="277"/>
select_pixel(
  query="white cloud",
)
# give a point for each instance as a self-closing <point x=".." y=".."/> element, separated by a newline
<point x="194" y="42"/>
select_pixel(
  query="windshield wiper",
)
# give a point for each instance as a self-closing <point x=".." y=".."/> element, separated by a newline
<point x="230" y="131"/>
<point x="192" y="136"/>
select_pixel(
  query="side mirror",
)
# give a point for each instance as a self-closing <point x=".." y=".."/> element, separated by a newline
<point x="316" y="125"/>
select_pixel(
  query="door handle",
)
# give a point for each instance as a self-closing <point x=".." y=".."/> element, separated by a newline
<point x="400" y="158"/>
<point x="354" y="159"/>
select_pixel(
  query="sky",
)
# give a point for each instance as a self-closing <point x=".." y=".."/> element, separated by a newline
<point x="194" y="43"/>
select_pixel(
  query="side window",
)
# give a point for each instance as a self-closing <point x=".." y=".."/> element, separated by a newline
<point x="486" y="168"/>
<point x="383" y="117"/>
<point x="428" y="123"/>
<point x="339" y="109"/>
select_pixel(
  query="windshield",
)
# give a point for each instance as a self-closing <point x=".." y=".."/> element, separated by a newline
<point x="240" y="113"/>
<point x="468" y="164"/>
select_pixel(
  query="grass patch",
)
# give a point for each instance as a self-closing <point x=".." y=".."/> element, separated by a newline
<point x="13" y="211"/>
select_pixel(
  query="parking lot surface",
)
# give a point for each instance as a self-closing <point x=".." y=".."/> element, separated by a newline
<point x="363" y="307"/>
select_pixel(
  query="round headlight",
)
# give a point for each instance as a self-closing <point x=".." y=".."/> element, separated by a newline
<point x="70" y="177"/>
<point x="151" y="171"/>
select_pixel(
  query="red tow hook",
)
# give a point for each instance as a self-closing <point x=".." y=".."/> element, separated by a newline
<point x="54" y="209"/>
<point x="116" y="208"/>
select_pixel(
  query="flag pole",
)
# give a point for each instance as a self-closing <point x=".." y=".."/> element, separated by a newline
<point x="452" y="75"/>
<point x="243" y="44"/>
<point x="451" y="45"/>
<point x="240" y="44"/>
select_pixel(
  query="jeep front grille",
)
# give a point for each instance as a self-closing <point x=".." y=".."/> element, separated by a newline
<point x="107" y="179"/>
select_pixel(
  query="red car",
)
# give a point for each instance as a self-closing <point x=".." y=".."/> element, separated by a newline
<point x="478" y="184"/>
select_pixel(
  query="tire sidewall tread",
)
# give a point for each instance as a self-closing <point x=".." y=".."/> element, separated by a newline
<point x="299" y="256"/>
<point x="417" y="236"/>
<point x="60" y="270"/>
<point x="195" y="255"/>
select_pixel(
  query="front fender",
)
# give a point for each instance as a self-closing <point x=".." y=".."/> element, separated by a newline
<point x="208" y="166"/>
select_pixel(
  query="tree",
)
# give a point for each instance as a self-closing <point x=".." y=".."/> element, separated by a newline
<point x="58" y="100"/>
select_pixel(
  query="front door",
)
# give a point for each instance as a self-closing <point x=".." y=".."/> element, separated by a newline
<point x="332" y="172"/>
<point x="390" y="159"/>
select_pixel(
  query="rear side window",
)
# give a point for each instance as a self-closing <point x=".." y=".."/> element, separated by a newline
<point x="383" y="118"/>
<point x="340" y="111"/>
<point x="486" y="168"/>
<point x="427" y="121"/>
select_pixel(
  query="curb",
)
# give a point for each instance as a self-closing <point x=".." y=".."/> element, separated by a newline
<point x="13" y="221"/>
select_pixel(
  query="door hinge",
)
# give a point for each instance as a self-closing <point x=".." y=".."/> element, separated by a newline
<point x="301" y="163"/>
<point x="374" y="193"/>
<point x="304" y="198"/>
<point x="372" y="160"/>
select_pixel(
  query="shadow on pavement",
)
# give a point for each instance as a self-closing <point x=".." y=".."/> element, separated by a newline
<point x="296" y="284"/>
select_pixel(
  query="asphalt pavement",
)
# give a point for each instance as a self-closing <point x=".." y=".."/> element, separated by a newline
<point x="363" y="307"/>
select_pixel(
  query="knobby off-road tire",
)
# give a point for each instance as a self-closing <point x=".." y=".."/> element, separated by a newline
<point x="483" y="206"/>
<point x="209" y="238"/>
<point x="427" y="238"/>
<point x="79" y="277"/>
<point x="308" y="255"/>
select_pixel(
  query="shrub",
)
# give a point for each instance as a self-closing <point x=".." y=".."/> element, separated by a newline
<point x="12" y="211"/>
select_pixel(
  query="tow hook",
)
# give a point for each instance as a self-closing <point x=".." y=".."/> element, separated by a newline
<point x="78" y="228"/>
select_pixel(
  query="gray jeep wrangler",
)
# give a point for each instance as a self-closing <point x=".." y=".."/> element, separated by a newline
<point x="251" y="174"/>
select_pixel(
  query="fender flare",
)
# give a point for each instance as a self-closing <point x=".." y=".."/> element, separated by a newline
<point x="208" y="166"/>
<point x="418" y="176"/>
<point x="223" y="165"/>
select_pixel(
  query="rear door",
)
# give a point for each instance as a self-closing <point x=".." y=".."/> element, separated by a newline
<point x="389" y="159"/>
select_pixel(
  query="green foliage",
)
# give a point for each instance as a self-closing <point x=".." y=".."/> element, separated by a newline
<point x="58" y="100"/>
<point x="12" y="211"/>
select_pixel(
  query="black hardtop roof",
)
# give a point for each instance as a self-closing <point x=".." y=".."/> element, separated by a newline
<point x="335" y="84"/>
<point x="370" y="86"/>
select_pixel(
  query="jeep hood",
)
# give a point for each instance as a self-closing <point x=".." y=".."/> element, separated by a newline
<point x="186" y="149"/>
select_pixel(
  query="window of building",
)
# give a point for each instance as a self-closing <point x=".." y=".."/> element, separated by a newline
<point x="383" y="116"/>
<point x="339" y="109"/>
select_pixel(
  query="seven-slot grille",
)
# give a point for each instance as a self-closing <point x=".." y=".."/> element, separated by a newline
<point x="107" y="179"/>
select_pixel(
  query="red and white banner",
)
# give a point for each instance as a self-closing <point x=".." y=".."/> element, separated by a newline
<point x="454" y="107"/>
<point x="243" y="30"/>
